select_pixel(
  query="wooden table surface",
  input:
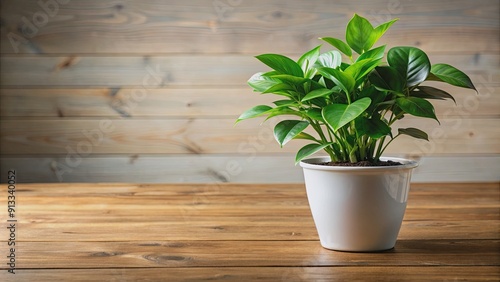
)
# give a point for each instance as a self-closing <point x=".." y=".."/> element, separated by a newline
<point x="130" y="232"/>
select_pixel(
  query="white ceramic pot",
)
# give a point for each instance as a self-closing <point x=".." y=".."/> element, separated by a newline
<point x="358" y="209"/>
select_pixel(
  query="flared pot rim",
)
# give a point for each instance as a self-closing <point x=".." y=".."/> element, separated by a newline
<point x="313" y="163"/>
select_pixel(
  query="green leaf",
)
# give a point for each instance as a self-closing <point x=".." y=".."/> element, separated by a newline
<point x="387" y="78"/>
<point x="343" y="80"/>
<point x="290" y="79"/>
<point x="338" y="115"/>
<point x="308" y="150"/>
<point x="281" y="111"/>
<point x="254" y="112"/>
<point x="331" y="59"/>
<point x="286" y="130"/>
<point x="305" y="136"/>
<point x="260" y="82"/>
<point x="452" y="75"/>
<point x="375" y="95"/>
<point x="414" y="132"/>
<point x="308" y="59"/>
<point x="278" y="88"/>
<point x="359" y="33"/>
<point x="281" y="64"/>
<point x="284" y="103"/>
<point x="432" y="93"/>
<point x="379" y="31"/>
<point x="317" y="93"/>
<point x="360" y="68"/>
<point x="411" y="63"/>
<point x="375" y="53"/>
<point x="315" y="114"/>
<point x="374" y="128"/>
<point x="417" y="106"/>
<point x="339" y="44"/>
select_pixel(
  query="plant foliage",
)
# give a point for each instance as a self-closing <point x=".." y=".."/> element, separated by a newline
<point x="352" y="106"/>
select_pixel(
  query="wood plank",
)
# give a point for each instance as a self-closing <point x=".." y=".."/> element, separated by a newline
<point x="194" y="102"/>
<point x="213" y="136"/>
<point x="47" y="211"/>
<point x="490" y="199"/>
<point x="241" y="168"/>
<point x="227" y="247"/>
<point x="182" y="70"/>
<point x="55" y="190"/>
<point x="175" y="254"/>
<point x="288" y="273"/>
<point x="245" y="27"/>
<point x="38" y="214"/>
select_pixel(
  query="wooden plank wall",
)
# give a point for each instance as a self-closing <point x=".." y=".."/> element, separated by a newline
<point x="148" y="91"/>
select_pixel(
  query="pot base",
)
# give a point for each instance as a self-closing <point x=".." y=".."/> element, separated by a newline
<point x="357" y="209"/>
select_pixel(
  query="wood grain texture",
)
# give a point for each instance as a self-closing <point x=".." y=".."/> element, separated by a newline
<point x="194" y="102"/>
<point x="172" y="78"/>
<point x="241" y="168"/>
<point x="323" y="273"/>
<point x="196" y="232"/>
<point x="211" y="136"/>
<point x="198" y="26"/>
<point x="181" y="70"/>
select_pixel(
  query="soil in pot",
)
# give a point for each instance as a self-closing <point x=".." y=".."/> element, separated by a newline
<point x="362" y="163"/>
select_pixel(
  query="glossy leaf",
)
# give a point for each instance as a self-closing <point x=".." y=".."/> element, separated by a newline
<point x="286" y="130"/>
<point x="331" y="59"/>
<point x="358" y="34"/>
<point x="432" y="93"/>
<point x="290" y="79"/>
<point x="281" y="64"/>
<point x="260" y="82"/>
<point x="417" y="107"/>
<point x="315" y="114"/>
<point x="308" y="59"/>
<point x="281" y="111"/>
<point x="284" y="103"/>
<point x="452" y="76"/>
<point x="379" y="31"/>
<point x="387" y="78"/>
<point x="411" y="63"/>
<point x="360" y="68"/>
<point x="305" y="136"/>
<point x="375" y="53"/>
<point x="414" y="132"/>
<point x="308" y="150"/>
<point x="317" y="93"/>
<point x="339" y="44"/>
<point x="254" y="112"/>
<point x="278" y="88"/>
<point x="343" y="80"/>
<point x="374" y="128"/>
<point x="338" y="115"/>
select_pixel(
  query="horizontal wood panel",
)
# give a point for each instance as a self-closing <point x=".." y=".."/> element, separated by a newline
<point x="246" y="168"/>
<point x="298" y="273"/>
<point x="154" y="71"/>
<point x="250" y="253"/>
<point x="126" y="189"/>
<point x="241" y="213"/>
<point x="211" y="136"/>
<point x="194" y="102"/>
<point x="243" y="26"/>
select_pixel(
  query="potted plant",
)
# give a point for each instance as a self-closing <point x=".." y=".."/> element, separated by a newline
<point x="352" y="101"/>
